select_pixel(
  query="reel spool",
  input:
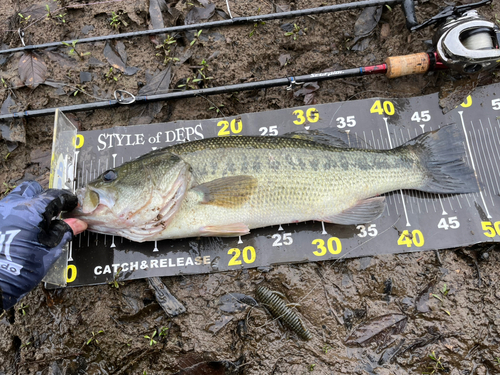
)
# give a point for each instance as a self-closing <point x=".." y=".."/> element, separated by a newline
<point x="468" y="44"/>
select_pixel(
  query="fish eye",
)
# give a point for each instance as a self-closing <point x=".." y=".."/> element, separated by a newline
<point x="109" y="175"/>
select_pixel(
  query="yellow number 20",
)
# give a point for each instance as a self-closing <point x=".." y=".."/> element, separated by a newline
<point x="236" y="127"/>
<point x="248" y="255"/>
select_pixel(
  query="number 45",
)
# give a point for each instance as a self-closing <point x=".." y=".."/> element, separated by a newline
<point x="452" y="223"/>
<point x="421" y="116"/>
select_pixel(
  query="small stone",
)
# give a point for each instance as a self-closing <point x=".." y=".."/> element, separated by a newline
<point x="385" y="30"/>
<point x="87" y="29"/>
<point x="85" y="77"/>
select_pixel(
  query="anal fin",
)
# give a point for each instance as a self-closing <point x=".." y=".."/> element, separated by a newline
<point x="362" y="212"/>
<point x="230" y="230"/>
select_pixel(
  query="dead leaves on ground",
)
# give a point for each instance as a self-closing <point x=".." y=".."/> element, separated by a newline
<point x="32" y="69"/>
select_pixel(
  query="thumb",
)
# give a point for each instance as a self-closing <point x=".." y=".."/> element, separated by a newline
<point x="77" y="226"/>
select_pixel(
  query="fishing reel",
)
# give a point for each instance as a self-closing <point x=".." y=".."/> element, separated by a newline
<point x="464" y="41"/>
<point x="468" y="44"/>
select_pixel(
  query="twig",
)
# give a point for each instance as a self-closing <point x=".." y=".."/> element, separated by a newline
<point x="52" y="359"/>
<point x="439" y="258"/>
<point x="328" y="299"/>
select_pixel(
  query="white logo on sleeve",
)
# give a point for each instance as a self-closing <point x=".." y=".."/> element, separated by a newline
<point x="7" y="264"/>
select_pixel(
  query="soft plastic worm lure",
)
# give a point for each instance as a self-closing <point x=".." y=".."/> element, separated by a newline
<point x="274" y="302"/>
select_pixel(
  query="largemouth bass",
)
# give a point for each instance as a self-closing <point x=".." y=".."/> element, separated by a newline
<point x="228" y="186"/>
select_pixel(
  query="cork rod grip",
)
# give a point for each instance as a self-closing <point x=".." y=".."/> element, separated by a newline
<point x="398" y="66"/>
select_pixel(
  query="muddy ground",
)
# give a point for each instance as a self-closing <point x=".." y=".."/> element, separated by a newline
<point x="101" y="329"/>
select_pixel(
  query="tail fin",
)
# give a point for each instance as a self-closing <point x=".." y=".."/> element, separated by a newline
<point x="442" y="154"/>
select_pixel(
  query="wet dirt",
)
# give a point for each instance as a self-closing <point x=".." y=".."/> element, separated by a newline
<point x="448" y="301"/>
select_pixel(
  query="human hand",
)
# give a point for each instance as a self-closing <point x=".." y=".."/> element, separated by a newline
<point x="31" y="239"/>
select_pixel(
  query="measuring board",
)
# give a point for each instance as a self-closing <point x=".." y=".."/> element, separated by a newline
<point x="412" y="221"/>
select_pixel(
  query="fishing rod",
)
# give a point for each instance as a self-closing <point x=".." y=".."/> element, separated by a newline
<point x="465" y="42"/>
<point x="393" y="67"/>
<point x="408" y="8"/>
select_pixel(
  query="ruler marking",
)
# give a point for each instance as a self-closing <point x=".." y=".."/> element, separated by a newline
<point x="495" y="159"/>
<point x="114" y="166"/>
<point x="449" y="201"/>
<point x="478" y="175"/>
<point x="490" y="165"/>
<point x="401" y="191"/>
<point x="442" y="206"/>
<point x="485" y="168"/>
<point x="467" y="199"/>
<point x="481" y="166"/>
<point x="472" y="161"/>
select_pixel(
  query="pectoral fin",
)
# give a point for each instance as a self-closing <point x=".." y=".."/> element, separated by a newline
<point x="363" y="212"/>
<point x="230" y="230"/>
<point x="230" y="192"/>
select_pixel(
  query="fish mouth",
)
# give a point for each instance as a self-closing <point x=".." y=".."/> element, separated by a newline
<point x="91" y="199"/>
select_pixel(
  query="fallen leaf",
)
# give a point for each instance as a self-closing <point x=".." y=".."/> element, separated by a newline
<point x="367" y="21"/>
<point x="4" y="57"/>
<point x="12" y="130"/>
<point x="62" y="59"/>
<point x="156" y="7"/>
<point x="379" y="329"/>
<point x="280" y="8"/>
<point x="422" y="300"/>
<point x="7" y="105"/>
<point x="309" y="99"/>
<point x="133" y="9"/>
<point x="113" y="57"/>
<point x="158" y="84"/>
<point x="236" y="302"/>
<point x="364" y="26"/>
<point x="284" y="59"/>
<point x="197" y="14"/>
<point x="116" y="55"/>
<point x="308" y="88"/>
<point x="32" y="69"/>
<point x="222" y="14"/>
